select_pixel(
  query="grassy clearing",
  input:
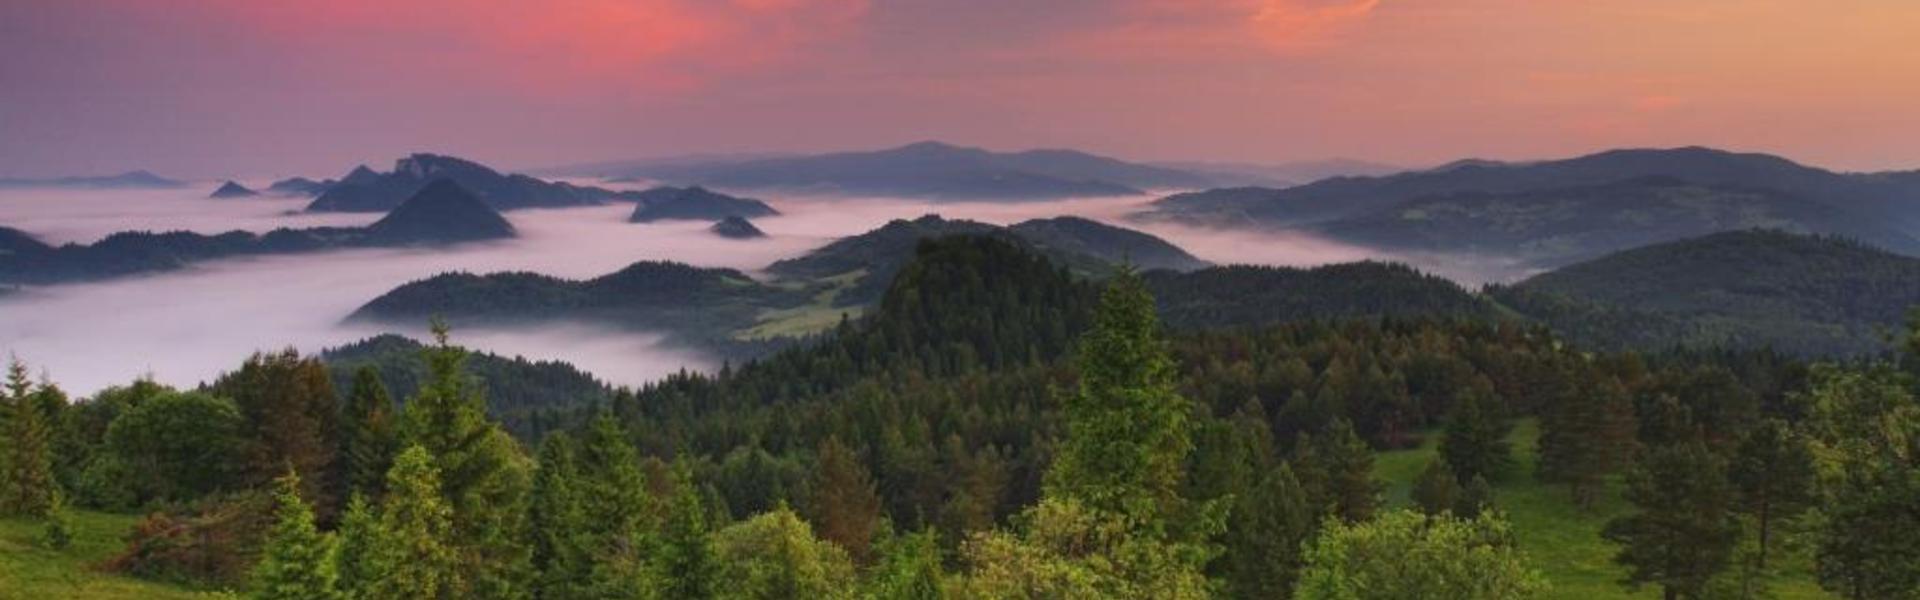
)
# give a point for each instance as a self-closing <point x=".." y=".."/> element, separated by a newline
<point x="1563" y="541"/>
<point x="29" y="571"/>
<point x="813" y="317"/>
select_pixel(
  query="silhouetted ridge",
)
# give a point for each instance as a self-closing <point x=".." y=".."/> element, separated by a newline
<point x="231" y="189"/>
<point x="736" y="228"/>
<point x="442" y="212"/>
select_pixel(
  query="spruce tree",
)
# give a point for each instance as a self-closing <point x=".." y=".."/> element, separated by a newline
<point x="1683" y="531"/>
<point x="297" y="560"/>
<point x="1270" y="522"/>
<point x="369" y="438"/>
<point x="908" y="569"/>
<point x="292" y="418"/>
<point x="1587" y="436"/>
<point x="1127" y="430"/>
<point x="556" y="524"/>
<point x="1352" y="492"/>
<point x="1476" y="498"/>
<point x="684" y="567"/>
<point x="1773" y="477"/>
<point x="356" y="565"/>
<point x="1475" y="442"/>
<point x="844" y="506"/>
<point x="484" y="477"/>
<point x="27" y="486"/>
<point x="616" y="508"/>
<point x="1435" y="491"/>
<point x="410" y="557"/>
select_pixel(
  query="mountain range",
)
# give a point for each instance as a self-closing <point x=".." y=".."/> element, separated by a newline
<point x="441" y="213"/>
<point x="927" y="170"/>
<point x="693" y="203"/>
<point x="364" y="190"/>
<point x="127" y="180"/>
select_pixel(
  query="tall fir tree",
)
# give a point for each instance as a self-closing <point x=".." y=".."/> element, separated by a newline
<point x="292" y="418"/>
<point x="684" y="567"/>
<point x="27" y="486"/>
<point x="1263" y="545"/>
<point x="617" y="509"/>
<point x="1475" y="441"/>
<point x="557" y="524"/>
<point x="909" y="568"/>
<point x="356" y="565"/>
<point x="1773" y="475"/>
<point x="844" y="505"/>
<point x="1436" y="492"/>
<point x="1683" y="531"/>
<point x="484" y="476"/>
<point x="1128" y="430"/>
<point x="1351" y="491"/>
<point x="296" y="562"/>
<point x="368" y="444"/>
<point x="1586" y="436"/>
<point x="410" y="557"/>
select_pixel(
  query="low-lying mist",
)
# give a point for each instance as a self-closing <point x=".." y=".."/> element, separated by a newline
<point x="188" y="326"/>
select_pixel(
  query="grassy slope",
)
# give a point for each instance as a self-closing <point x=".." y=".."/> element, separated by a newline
<point x="1561" y="540"/>
<point x="30" y="571"/>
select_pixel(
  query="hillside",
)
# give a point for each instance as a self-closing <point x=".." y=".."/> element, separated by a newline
<point x="694" y="203"/>
<point x="873" y="257"/>
<point x="931" y="170"/>
<point x="1869" y="195"/>
<point x="1800" y="294"/>
<point x="1243" y="296"/>
<point x="1553" y="227"/>
<point x="695" y="305"/>
<point x="443" y="212"/>
<point x="525" y="394"/>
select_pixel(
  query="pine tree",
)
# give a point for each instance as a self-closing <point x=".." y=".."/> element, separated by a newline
<point x="1270" y="522"/>
<point x="1773" y="477"/>
<point x="292" y="418"/>
<point x="1586" y="437"/>
<point x="557" y="523"/>
<point x="1128" y="430"/>
<point x="369" y="438"/>
<point x="1476" y="498"/>
<point x="27" y="487"/>
<point x="1683" y="532"/>
<point x="356" y="565"/>
<point x="844" y="506"/>
<point x="1475" y="444"/>
<point x="1352" y="492"/>
<point x="684" y="567"/>
<point x="410" y="558"/>
<point x="296" y="562"/>
<point x="908" y="569"/>
<point x="484" y="477"/>
<point x="1435" y="491"/>
<point x="617" y="511"/>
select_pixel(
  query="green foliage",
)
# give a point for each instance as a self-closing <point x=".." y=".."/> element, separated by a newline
<point x="1866" y="423"/>
<point x="1436" y="492"/>
<point x="1406" y="555"/>
<point x="27" y="485"/>
<point x="292" y="421"/>
<point x="909" y="568"/>
<point x="684" y="566"/>
<point x="178" y="445"/>
<point x="1773" y="476"/>
<point x="1476" y="438"/>
<point x="1344" y="473"/>
<point x="408" y="555"/>
<point x="355" y="563"/>
<point x="1128" y="430"/>
<point x="775" y="556"/>
<point x="1266" y="534"/>
<point x="368" y="443"/>
<point x="844" y="506"/>
<point x="1684" y="531"/>
<point x="1587" y="435"/>
<point x="297" y="561"/>
<point x="1067" y="550"/>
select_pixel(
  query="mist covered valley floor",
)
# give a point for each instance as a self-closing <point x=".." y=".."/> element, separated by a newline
<point x="187" y="326"/>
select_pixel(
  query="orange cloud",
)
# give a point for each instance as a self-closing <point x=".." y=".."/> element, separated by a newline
<point x="1292" y="24"/>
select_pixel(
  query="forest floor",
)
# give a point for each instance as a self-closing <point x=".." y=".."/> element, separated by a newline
<point x="1558" y="537"/>
<point x="30" y="571"/>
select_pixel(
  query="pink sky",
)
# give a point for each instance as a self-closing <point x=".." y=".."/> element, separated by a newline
<point x="241" y="87"/>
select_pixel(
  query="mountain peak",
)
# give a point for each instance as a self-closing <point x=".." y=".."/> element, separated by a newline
<point x="735" y="227"/>
<point x="230" y="189"/>
<point x="442" y="212"/>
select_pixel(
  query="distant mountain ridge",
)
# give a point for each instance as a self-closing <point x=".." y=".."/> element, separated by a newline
<point x="1890" y="196"/>
<point x="232" y="189"/>
<point x="442" y="213"/>
<point x="930" y="170"/>
<point x="1813" y="295"/>
<point x="127" y="180"/>
<point x="366" y="191"/>
<point x="694" y="203"/>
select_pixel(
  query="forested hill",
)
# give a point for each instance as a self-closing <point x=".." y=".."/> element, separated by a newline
<point x="530" y="397"/>
<point x="1554" y="227"/>
<point x="1810" y="295"/>
<point x="1087" y="246"/>
<point x="1244" y="296"/>
<point x="442" y="212"/>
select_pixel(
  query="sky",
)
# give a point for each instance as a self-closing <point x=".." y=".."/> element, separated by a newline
<point x="214" y="88"/>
